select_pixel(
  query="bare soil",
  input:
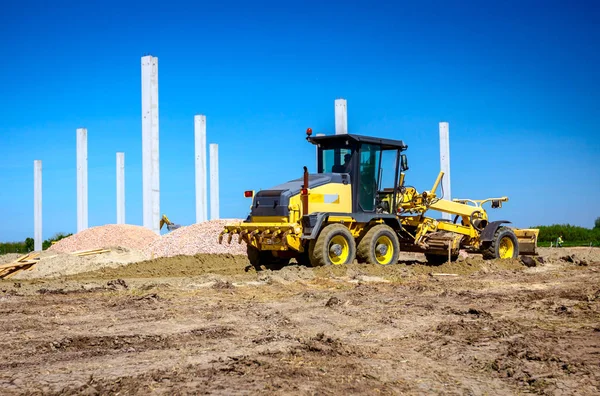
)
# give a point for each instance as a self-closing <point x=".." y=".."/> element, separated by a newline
<point x="211" y="324"/>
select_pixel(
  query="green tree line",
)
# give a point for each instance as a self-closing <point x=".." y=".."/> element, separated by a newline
<point x="572" y="235"/>
<point x="27" y="245"/>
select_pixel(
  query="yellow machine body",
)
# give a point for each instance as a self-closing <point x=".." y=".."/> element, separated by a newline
<point x="278" y="233"/>
<point x="286" y="221"/>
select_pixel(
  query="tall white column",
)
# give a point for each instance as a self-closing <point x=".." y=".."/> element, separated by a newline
<point x="201" y="184"/>
<point x="214" y="181"/>
<point x="120" y="188"/>
<point x="37" y="205"/>
<point x="150" y="152"/>
<point x="341" y="117"/>
<point x="82" y="180"/>
<point x="445" y="163"/>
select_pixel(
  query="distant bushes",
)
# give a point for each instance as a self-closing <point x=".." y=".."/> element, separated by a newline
<point x="28" y="244"/>
<point x="572" y="235"/>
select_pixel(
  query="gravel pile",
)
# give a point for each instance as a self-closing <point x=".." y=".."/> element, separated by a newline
<point x="194" y="239"/>
<point x="110" y="235"/>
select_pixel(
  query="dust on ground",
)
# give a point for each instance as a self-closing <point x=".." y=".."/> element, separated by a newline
<point x="212" y="324"/>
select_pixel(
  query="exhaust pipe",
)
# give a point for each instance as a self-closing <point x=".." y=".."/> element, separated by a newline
<point x="304" y="193"/>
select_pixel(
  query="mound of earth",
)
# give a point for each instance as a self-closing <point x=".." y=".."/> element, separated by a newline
<point x="55" y="265"/>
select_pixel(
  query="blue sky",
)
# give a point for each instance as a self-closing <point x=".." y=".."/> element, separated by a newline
<point x="518" y="82"/>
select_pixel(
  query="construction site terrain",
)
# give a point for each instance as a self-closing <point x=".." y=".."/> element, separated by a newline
<point x="211" y="324"/>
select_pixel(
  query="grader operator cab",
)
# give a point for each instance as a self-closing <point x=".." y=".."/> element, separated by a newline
<point x="357" y="206"/>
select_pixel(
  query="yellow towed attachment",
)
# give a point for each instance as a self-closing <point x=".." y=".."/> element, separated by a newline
<point x="269" y="236"/>
<point x="527" y="238"/>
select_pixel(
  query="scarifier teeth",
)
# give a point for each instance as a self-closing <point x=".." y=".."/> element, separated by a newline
<point x="221" y="237"/>
<point x="262" y="236"/>
<point x="229" y="236"/>
<point x="252" y="235"/>
<point x="241" y="237"/>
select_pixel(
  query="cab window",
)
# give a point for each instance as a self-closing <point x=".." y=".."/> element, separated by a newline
<point x="369" y="175"/>
<point x="335" y="160"/>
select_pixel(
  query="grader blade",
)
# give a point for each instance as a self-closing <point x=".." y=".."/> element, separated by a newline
<point x="527" y="240"/>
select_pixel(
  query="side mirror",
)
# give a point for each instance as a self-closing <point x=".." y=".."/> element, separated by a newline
<point x="403" y="163"/>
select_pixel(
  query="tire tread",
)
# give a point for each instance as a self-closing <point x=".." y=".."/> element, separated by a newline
<point x="365" y="246"/>
<point x="316" y="247"/>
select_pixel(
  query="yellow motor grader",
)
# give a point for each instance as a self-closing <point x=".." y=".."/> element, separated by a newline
<point x="344" y="212"/>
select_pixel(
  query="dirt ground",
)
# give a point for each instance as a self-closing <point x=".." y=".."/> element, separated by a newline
<point x="210" y="324"/>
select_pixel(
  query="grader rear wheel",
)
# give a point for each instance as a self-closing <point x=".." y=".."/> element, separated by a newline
<point x="379" y="246"/>
<point x="504" y="245"/>
<point x="334" y="245"/>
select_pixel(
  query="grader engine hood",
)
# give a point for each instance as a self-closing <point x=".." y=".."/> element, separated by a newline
<point x="275" y="201"/>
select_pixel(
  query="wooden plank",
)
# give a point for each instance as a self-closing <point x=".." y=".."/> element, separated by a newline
<point x="30" y="256"/>
<point x="92" y="253"/>
<point x="22" y="257"/>
<point x="86" y="251"/>
<point x="15" y="264"/>
<point x="15" y="272"/>
<point x="10" y="265"/>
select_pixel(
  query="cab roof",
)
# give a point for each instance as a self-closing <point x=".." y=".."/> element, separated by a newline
<point x="331" y="141"/>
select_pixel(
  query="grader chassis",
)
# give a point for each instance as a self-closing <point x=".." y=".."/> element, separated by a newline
<point x="343" y="212"/>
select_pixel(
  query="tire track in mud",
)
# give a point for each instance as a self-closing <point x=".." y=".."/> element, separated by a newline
<point x="554" y="349"/>
<point x="304" y="364"/>
<point x="84" y="346"/>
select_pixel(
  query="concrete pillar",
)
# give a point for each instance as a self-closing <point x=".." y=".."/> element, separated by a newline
<point x="445" y="163"/>
<point x="37" y="205"/>
<point x="82" y="180"/>
<point x="150" y="152"/>
<point x="214" y="181"/>
<point x="201" y="184"/>
<point x="120" y="188"/>
<point x="341" y="117"/>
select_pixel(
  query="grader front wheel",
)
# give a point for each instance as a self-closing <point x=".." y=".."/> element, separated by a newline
<point x="504" y="245"/>
<point x="335" y="245"/>
<point x="379" y="246"/>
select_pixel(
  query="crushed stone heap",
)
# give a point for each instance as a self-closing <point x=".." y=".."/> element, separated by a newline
<point x="110" y="235"/>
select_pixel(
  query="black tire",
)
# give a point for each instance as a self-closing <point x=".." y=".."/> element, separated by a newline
<point x="439" y="259"/>
<point x="494" y="249"/>
<point x="319" y="249"/>
<point x="262" y="257"/>
<point x="367" y="247"/>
